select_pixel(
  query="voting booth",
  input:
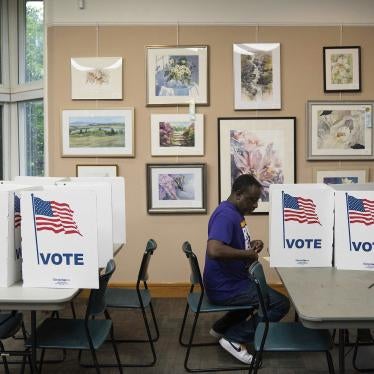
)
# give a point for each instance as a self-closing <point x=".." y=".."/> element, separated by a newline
<point x="301" y="225"/>
<point x="59" y="239"/>
<point x="10" y="234"/>
<point x="354" y="226"/>
<point x="103" y="193"/>
<point x="118" y="203"/>
<point x="37" y="181"/>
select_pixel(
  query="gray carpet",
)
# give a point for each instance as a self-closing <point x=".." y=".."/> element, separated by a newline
<point x="170" y="355"/>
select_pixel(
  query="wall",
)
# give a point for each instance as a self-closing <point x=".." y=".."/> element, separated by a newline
<point x="301" y="80"/>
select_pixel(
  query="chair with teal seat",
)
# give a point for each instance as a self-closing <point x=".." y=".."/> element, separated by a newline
<point x="198" y="303"/>
<point x="138" y="298"/>
<point x="283" y="336"/>
<point x="10" y="324"/>
<point x="81" y="334"/>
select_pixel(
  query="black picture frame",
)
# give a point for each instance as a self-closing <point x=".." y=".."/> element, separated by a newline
<point x="342" y="69"/>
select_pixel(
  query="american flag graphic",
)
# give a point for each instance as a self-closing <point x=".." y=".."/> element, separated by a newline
<point x="54" y="216"/>
<point x="17" y="211"/>
<point x="360" y="210"/>
<point x="299" y="209"/>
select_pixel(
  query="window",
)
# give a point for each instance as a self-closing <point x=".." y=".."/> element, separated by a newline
<point x="33" y="42"/>
<point x="1" y="143"/>
<point x="21" y="88"/>
<point x="31" y="137"/>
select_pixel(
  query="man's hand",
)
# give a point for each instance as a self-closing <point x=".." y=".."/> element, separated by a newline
<point x="257" y="245"/>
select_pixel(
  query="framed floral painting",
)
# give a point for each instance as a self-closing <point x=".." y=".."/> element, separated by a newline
<point x="340" y="130"/>
<point x="263" y="147"/>
<point x="176" y="188"/>
<point x="257" y="76"/>
<point x="177" y="135"/>
<point x="96" y="78"/>
<point x="177" y="74"/>
<point x="342" y="69"/>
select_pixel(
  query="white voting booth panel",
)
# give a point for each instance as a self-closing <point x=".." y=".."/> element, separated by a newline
<point x="354" y="226"/>
<point x="10" y="233"/>
<point x="301" y="225"/>
<point x="38" y="181"/>
<point x="59" y="239"/>
<point x="118" y="203"/>
<point x="104" y="218"/>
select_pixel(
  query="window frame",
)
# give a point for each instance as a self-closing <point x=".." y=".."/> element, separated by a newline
<point x="15" y="91"/>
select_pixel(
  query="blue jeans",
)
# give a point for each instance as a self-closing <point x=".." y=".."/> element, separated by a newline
<point x="235" y="326"/>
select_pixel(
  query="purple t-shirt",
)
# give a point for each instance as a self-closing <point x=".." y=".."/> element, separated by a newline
<point x="224" y="279"/>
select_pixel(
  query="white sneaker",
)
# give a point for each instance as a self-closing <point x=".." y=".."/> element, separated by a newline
<point x="237" y="350"/>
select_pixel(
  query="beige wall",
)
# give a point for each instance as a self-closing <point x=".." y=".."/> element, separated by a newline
<point x="301" y="80"/>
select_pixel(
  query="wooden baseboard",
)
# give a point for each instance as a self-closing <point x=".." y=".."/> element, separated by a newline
<point x="179" y="290"/>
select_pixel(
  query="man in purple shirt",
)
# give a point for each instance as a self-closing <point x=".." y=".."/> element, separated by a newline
<point x="230" y="251"/>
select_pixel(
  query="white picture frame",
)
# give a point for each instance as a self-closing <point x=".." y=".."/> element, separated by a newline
<point x="257" y="76"/>
<point x="176" y="75"/>
<point x="340" y="130"/>
<point x="98" y="133"/>
<point x="246" y="144"/>
<point x="85" y="170"/>
<point x="177" y="135"/>
<point x="96" y="78"/>
<point x="331" y="176"/>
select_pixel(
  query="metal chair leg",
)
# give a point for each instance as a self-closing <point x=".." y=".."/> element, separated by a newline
<point x="182" y="327"/>
<point x="330" y="363"/>
<point x="154" y="323"/>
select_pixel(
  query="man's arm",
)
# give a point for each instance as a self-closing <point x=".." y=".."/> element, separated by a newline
<point x="218" y="250"/>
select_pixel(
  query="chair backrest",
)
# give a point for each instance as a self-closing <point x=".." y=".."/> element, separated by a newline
<point x="96" y="302"/>
<point x="143" y="271"/>
<point x="195" y="277"/>
<point x="256" y="272"/>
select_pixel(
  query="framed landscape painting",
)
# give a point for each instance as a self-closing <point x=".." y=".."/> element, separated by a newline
<point x="96" y="78"/>
<point x="176" y="188"/>
<point x="177" y="74"/>
<point x="329" y="176"/>
<point x="98" y="133"/>
<point x="340" y="130"/>
<point x="177" y="135"/>
<point x="261" y="146"/>
<point x="257" y="76"/>
<point x="342" y="69"/>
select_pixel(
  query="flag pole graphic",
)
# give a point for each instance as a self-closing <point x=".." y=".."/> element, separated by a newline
<point x="349" y="224"/>
<point x="36" y="235"/>
<point x="284" y="233"/>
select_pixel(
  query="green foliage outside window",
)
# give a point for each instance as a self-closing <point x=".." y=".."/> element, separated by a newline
<point x="34" y="133"/>
<point x="34" y="41"/>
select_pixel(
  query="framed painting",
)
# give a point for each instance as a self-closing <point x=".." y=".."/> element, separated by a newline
<point x="177" y="74"/>
<point x="177" y="135"/>
<point x="263" y="147"/>
<point x="95" y="78"/>
<point x="96" y="170"/>
<point x="176" y="188"/>
<point x="340" y="130"/>
<point x="98" y="133"/>
<point x="257" y="76"/>
<point x="328" y="176"/>
<point x="342" y="69"/>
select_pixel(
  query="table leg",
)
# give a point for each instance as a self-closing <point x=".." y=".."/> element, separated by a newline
<point x="33" y="341"/>
<point x="341" y="350"/>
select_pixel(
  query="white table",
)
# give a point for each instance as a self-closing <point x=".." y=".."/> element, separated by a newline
<point x="326" y="298"/>
<point x="16" y="297"/>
